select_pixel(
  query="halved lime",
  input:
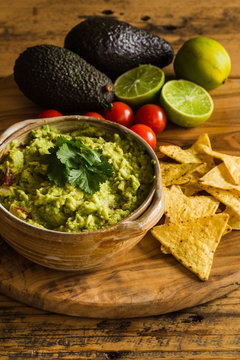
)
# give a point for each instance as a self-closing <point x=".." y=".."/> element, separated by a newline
<point x="186" y="103"/>
<point x="139" y="85"/>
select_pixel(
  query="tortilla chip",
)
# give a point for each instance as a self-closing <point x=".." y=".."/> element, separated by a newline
<point x="229" y="198"/>
<point x="219" y="178"/>
<point x="180" y="155"/>
<point x="192" y="229"/>
<point x="194" y="242"/>
<point x="178" y="173"/>
<point x="234" y="218"/>
<point x="191" y="188"/>
<point x="193" y="177"/>
<point x="164" y="250"/>
<point x="192" y="155"/>
<point x="227" y="230"/>
<point x="232" y="163"/>
<point x="179" y="207"/>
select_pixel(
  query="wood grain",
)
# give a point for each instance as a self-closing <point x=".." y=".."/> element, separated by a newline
<point x="209" y="331"/>
<point x="144" y="282"/>
<point x="24" y="24"/>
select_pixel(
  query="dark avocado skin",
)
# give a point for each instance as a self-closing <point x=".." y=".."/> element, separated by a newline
<point x="114" y="46"/>
<point x="54" y="77"/>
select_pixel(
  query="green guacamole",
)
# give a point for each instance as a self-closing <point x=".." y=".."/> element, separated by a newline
<point x="27" y="192"/>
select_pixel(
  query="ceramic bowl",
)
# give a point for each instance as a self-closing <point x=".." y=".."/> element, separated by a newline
<point x="86" y="250"/>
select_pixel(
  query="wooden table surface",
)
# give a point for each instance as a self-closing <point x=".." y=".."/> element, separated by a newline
<point x="210" y="331"/>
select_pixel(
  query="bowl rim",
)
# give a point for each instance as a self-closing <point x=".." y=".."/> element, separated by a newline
<point x="157" y="183"/>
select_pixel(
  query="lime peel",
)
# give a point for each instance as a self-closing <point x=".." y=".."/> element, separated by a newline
<point x="140" y="85"/>
<point x="186" y="103"/>
<point x="204" y="61"/>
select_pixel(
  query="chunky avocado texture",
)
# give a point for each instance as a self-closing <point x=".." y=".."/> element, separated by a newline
<point x="114" y="46"/>
<point x="54" y="77"/>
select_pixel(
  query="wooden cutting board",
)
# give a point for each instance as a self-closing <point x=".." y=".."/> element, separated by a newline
<point x="145" y="282"/>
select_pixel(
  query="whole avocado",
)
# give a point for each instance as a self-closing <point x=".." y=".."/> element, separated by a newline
<point x="115" y="46"/>
<point x="54" y="77"/>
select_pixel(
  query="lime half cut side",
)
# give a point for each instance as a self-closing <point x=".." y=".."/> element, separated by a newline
<point x="186" y="103"/>
<point x="140" y="85"/>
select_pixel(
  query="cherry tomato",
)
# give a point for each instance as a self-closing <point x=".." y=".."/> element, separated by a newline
<point x="121" y="113"/>
<point x="146" y="133"/>
<point x="93" y="114"/>
<point x="153" y="116"/>
<point x="49" y="113"/>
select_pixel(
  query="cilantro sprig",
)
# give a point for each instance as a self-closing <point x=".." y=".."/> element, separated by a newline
<point x="71" y="161"/>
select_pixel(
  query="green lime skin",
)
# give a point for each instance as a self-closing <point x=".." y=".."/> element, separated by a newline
<point x="140" y="85"/>
<point x="186" y="104"/>
<point x="203" y="61"/>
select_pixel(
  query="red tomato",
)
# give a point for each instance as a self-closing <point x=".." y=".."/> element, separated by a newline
<point x="93" y="114"/>
<point x="121" y="113"/>
<point x="146" y="133"/>
<point x="153" y="116"/>
<point x="49" y="113"/>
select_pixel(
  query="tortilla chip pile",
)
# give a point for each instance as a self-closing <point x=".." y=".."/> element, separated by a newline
<point x="202" y="203"/>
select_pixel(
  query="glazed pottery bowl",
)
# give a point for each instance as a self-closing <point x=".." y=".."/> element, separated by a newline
<point x="83" y="250"/>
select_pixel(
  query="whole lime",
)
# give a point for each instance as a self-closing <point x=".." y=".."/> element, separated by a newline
<point x="203" y="61"/>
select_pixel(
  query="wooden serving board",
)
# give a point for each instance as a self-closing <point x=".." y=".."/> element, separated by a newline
<point x="145" y="282"/>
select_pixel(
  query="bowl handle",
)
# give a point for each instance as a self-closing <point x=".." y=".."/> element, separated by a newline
<point x="149" y="218"/>
<point x="15" y="127"/>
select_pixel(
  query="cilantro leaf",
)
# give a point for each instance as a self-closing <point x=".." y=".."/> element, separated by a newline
<point x="103" y="169"/>
<point x="57" y="172"/>
<point x="71" y="161"/>
<point x="67" y="155"/>
<point x="91" y="156"/>
<point x="83" y="179"/>
<point x="61" y="140"/>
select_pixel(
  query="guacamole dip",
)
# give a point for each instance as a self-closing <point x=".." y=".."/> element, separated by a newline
<point x="28" y="193"/>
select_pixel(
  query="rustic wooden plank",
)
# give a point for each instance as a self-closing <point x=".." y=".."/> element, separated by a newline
<point x="149" y="283"/>
<point x="50" y="335"/>
<point x="24" y="24"/>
